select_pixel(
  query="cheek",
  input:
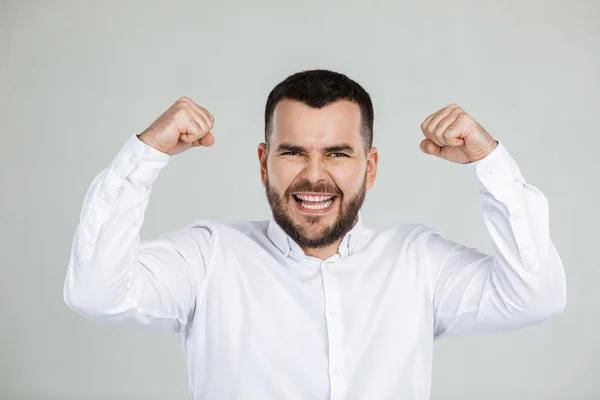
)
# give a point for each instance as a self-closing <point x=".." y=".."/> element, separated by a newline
<point x="347" y="179"/>
<point x="281" y="175"/>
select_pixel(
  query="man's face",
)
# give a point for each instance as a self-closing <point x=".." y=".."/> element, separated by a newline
<point x="316" y="170"/>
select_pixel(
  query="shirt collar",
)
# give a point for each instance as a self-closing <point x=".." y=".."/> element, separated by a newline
<point x="287" y="246"/>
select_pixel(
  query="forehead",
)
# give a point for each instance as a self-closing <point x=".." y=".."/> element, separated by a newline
<point x="297" y="123"/>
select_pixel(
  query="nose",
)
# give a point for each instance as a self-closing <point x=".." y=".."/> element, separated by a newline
<point x="314" y="170"/>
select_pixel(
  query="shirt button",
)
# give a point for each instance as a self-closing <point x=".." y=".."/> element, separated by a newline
<point x="335" y="371"/>
<point x="332" y="314"/>
<point x="325" y="267"/>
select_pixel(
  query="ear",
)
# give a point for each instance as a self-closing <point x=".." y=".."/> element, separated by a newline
<point x="262" y="159"/>
<point x="372" y="161"/>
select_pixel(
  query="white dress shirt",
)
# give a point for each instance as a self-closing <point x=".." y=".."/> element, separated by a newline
<point x="261" y="320"/>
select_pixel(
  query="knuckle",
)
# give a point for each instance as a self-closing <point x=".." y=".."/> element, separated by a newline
<point x="181" y="114"/>
<point x="438" y="131"/>
<point x="180" y="107"/>
<point x="195" y="124"/>
<point x="463" y="117"/>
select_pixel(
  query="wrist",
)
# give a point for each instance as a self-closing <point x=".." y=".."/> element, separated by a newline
<point x="486" y="151"/>
<point x="148" y="140"/>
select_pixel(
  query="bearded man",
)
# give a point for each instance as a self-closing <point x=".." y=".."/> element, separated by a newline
<point x="312" y="304"/>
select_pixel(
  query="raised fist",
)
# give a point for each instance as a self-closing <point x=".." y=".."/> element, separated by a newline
<point x="184" y="125"/>
<point x="452" y="134"/>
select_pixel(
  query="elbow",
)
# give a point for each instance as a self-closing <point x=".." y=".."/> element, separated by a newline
<point x="551" y="304"/>
<point x="560" y="303"/>
<point x="538" y="311"/>
<point x="552" y="308"/>
<point x="72" y="301"/>
<point x="552" y="294"/>
<point x="77" y="301"/>
<point x="97" y="288"/>
<point x="560" y="299"/>
<point x="87" y="300"/>
<point x="548" y="292"/>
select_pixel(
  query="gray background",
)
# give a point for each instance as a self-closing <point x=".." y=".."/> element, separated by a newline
<point x="78" y="78"/>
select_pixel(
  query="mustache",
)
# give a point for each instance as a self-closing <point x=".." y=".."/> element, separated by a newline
<point x="307" y="186"/>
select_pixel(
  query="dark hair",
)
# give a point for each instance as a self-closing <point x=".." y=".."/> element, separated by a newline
<point x="318" y="88"/>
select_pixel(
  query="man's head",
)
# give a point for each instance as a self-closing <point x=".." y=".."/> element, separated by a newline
<point x="317" y="160"/>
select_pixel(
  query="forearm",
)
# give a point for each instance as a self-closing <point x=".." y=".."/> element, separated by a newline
<point x="522" y="282"/>
<point x="104" y="260"/>
<point x="526" y="273"/>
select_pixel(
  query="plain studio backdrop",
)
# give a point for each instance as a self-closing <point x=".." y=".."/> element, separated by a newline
<point x="78" y="78"/>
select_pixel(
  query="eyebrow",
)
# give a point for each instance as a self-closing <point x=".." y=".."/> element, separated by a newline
<point x="331" y="149"/>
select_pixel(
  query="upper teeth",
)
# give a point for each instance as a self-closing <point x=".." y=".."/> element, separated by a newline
<point x="313" y="198"/>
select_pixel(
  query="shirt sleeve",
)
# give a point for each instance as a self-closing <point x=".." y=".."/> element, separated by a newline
<point x="113" y="277"/>
<point x="521" y="283"/>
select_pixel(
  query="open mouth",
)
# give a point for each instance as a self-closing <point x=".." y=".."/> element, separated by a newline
<point x="314" y="203"/>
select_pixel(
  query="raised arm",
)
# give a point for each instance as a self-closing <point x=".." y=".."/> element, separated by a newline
<point x="111" y="276"/>
<point x="523" y="281"/>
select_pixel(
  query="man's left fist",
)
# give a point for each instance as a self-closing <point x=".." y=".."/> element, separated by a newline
<point x="453" y="135"/>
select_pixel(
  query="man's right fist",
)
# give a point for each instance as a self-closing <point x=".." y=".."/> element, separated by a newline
<point x="184" y="125"/>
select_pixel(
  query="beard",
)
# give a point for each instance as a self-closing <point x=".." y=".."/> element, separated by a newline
<point x="322" y="236"/>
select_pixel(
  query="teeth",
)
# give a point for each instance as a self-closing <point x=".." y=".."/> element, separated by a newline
<point x="314" y="198"/>
<point x="317" y="206"/>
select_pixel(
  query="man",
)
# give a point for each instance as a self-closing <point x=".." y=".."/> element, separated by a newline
<point x="313" y="304"/>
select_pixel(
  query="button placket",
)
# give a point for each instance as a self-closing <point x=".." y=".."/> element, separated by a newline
<point x="335" y="331"/>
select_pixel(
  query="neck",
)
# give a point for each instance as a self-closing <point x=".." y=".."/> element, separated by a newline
<point x="323" y="253"/>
